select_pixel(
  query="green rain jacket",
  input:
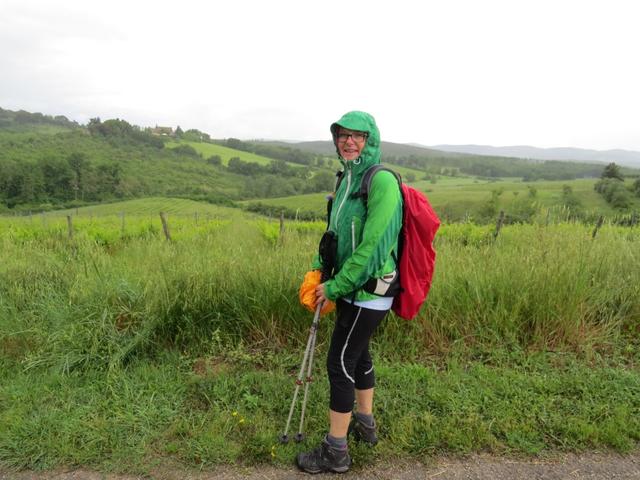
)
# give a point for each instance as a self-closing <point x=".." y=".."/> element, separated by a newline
<point x="367" y="235"/>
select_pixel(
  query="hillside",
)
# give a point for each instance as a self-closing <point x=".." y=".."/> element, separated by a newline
<point x="388" y="148"/>
<point x="621" y="157"/>
<point x="462" y="198"/>
<point x="48" y="163"/>
<point x="21" y="120"/>
<point x="436" y="162"/>
<point x="151" y="207"/>
<point x="45" y="170"/>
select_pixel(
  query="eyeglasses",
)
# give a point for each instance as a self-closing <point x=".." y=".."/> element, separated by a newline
<point x="355" y="136"/>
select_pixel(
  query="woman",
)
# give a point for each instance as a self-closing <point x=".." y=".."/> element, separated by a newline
<point x="367" y="243"/>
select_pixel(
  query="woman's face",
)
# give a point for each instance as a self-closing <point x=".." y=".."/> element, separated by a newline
<point x="350" y="143"/>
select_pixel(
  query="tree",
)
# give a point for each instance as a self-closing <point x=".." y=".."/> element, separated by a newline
<point x="323" y="181"/>
<point x="235" y="144"/>
<point x="109" y="177"/>
<point x="78" y="163"/>
<point x="570" y="201"/>
<point x="185" y="149"/>
<point x="94" y="125"/>
<point x="614" y="192"/>
<point x="612" y="171"/>
<point x="179" y="132"/>
<point x="214" y="160"/>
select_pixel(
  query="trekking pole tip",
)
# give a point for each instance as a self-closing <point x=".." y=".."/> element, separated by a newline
<point x="284" y="439"/>
<point x="299" y="437"/>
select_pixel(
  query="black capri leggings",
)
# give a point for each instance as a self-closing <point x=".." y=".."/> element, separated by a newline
<point x="349" y="363"/>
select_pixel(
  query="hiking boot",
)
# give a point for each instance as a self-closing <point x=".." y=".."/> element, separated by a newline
<point x="363" y="432"/>
<point x="324" y="458"/>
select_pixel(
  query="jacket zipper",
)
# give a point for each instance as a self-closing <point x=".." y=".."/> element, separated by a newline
<point x="353" y="236"/>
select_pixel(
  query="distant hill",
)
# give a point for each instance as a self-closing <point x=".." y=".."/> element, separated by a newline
<point x="22" y="120"/>
<point x="439" y="162"/>
<point x="622" y="157"/>
<point x="50" y="162"/>
<point x="388" y="148"/>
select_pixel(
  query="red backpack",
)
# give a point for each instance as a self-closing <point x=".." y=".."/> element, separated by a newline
<point x="416" y="255"/>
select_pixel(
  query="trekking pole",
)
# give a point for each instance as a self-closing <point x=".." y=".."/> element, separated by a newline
<point x="284" y="438"/>
<point x="314" y="328"/>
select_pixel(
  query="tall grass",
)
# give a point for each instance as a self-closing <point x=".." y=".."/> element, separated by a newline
<point x="96" y="302"/>
<point x="117" y="351"/>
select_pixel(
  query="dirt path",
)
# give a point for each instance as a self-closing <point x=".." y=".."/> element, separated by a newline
<point x="478" y="467"/>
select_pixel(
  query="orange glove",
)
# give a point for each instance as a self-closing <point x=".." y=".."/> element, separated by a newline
<point x="307" y="293"/>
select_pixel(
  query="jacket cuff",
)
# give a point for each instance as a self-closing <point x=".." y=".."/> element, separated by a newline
<point x="329" y="291"/>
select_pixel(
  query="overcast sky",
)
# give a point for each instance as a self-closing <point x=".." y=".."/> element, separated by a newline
<point x="543" y="73"/>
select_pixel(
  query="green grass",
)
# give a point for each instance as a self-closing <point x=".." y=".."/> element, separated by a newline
<point x="225" y="153"/>
<point x="122" y="350"/>
<point x="231" y="408"/>
<point x="457" y="198"/>
<point x="310" y="202"/>
<point x="404" y="171"/>
<point x="548" y="192"/>
<point x="149" y="206"/>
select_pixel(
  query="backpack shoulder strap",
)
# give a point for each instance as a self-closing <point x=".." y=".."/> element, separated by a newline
<point x="365" y="184"/>
<point x="339" y="177"/>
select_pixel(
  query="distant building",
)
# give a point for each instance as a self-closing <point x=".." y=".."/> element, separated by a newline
<point x="163" y="131"/>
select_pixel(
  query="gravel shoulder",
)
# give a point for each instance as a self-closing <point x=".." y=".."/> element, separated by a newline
<point x="592" y="466"/>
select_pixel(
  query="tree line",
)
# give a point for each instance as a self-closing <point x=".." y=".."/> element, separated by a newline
<point x="9" y="118"/>
<point x="497" y="167"/>
<point x="53" y="180"/>
<point x="612" y="187"/>
<point x="287" y="154"/>
<point x="112" y="159"/>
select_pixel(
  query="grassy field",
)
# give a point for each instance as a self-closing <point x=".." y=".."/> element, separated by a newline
<point x="225" y="153"/>
<point x="548" y="193"/>
<point x="121" y="349"/>
<point x="405" y="171"/>
<point x="456" y="198"/>
<point x="148" y="206"/>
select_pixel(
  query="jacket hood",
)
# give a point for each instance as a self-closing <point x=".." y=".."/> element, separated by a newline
<point x="363" y="122"/>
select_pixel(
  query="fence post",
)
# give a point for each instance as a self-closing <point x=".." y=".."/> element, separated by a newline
<point x="598" y="225"/>
<point x="196" y="217"/>
<point x="70" y="226"/>
<point x="122" y="224"/>
<point x="281" y="226"/>
<point x="499" y="224"/>
<point x="165" y="226"/>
